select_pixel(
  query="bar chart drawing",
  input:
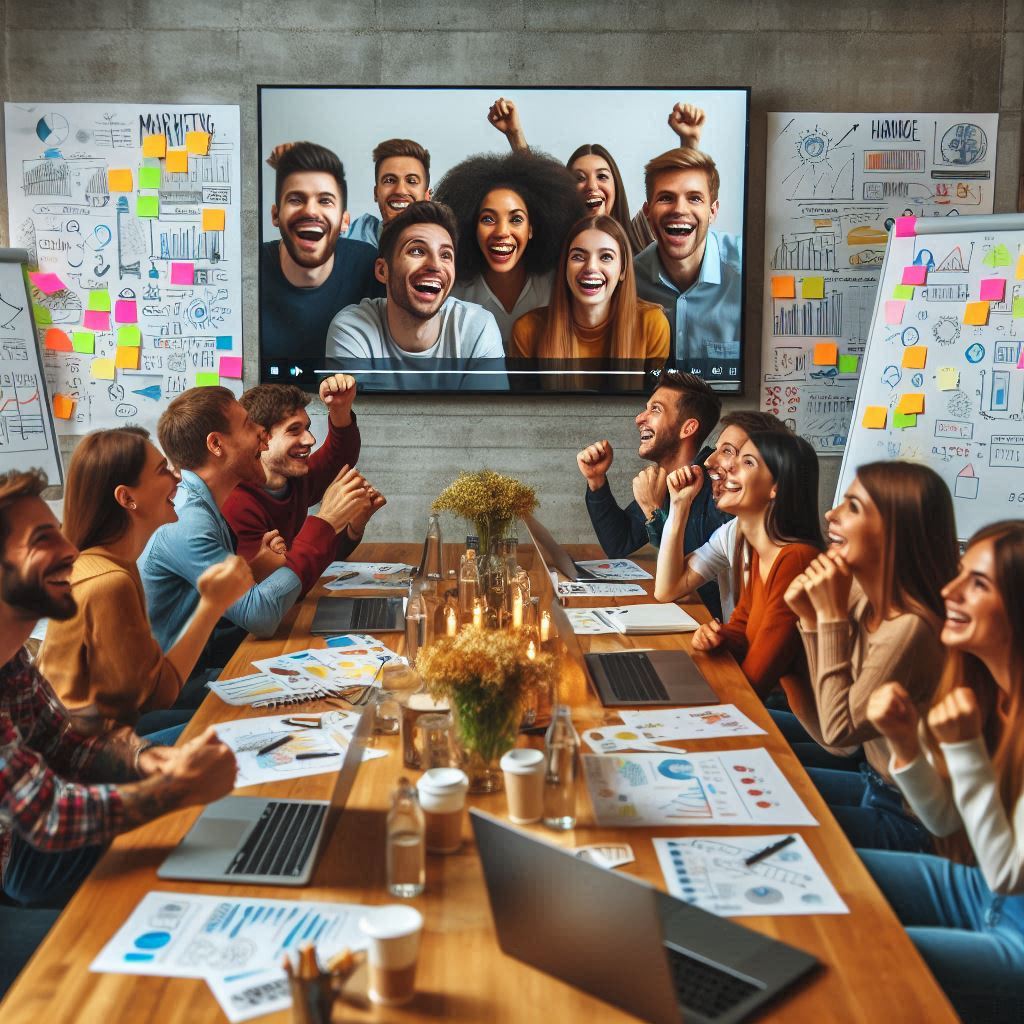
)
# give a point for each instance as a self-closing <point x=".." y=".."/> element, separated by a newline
<point x="21" y="413"/>
<point x="806" y="250"/>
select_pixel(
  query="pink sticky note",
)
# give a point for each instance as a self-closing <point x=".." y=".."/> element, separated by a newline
<point x="993" y="289"/>
<point x="906" y="227"/>
<point x="894" y="311"/>
<point x="231" y="366"/>
<point x="915" y="275"/>
<point x="47" y="283"/>
<point x="1020" y="362"/>
<point x="183" y="273"/>
<point x="125" y="312"/>
<point x="96" y="320"/>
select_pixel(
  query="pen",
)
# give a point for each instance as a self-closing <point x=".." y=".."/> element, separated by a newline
<point x="768" y="850"/>
<point x="273" y="746"/>
<point x="322" y="753"/>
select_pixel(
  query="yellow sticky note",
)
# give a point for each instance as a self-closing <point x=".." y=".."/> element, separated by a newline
<point x="177" y="161"/>
<point x="783" y="287"/>
<point x="949" y="378"/>
<point x="874" y="417"/>
<point x="154" y="145"/>
<point x="127" y="359"/>
<point x="103" y="369"/>
<point x="826" y="353"/>
<point x="197" y="143"/>
<point x="119" y="180"/>
<point x="1020" y="268"/>
<point x="812" y="288"/>
<point x="213" y="219"/>
<point x="976" y="314"/>
<point x="915" y="356"/>
<point x="913" y="403"/>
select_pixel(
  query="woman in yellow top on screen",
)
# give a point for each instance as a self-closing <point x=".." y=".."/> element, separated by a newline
<point x="594" y="312"/>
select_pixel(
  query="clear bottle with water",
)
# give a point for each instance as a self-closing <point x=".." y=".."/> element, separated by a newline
<point x="432" y="561"/>
<point x="406" y="845"/>
<point x="416" y="623"/>
<point x="469" y="585"/>
<point x="560" y="751"/>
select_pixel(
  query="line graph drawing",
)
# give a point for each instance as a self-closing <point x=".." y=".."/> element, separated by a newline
<point x="21" y="415"/>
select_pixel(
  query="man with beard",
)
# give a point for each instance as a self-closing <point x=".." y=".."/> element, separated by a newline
<point x="65" y="795"/>
<point x="680" y="414"/>
<point x="312" y="272"/>
<point x="401" y="174"/>
<point x="298" y="477"/>
<point x="419" y="336"/>
<point x="693" y="272"/>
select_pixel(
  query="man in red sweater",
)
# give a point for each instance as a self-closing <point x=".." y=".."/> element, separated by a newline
<point x="298" y="477"/>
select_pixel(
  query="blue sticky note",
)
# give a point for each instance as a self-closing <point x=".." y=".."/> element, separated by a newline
<point x="224" y="342"/>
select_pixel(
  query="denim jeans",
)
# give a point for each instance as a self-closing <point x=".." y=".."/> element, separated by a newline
<point x="971" y="938"/>
<point x="41" y="878"/>
<point x="20" y="932"/>
<point x="808" y="751"/>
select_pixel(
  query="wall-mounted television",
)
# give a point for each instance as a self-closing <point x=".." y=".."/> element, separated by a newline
<point x="502" y="239"/>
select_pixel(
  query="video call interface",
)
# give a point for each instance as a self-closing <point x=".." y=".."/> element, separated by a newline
<point x="488" y="240"/>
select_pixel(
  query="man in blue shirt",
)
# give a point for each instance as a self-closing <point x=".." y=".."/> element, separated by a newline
<point x="693" y="272"/>
<point x="401" y="174"/>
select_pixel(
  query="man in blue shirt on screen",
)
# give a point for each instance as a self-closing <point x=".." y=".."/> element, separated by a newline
<point x="693" y="272"/>
<point x="401" y="175"/>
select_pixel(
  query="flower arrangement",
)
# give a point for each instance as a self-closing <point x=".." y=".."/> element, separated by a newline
<point x="489" y="500"/>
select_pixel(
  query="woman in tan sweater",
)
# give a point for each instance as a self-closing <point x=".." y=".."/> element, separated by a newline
<point x="869" y="611"/>
<point x="104" y="663"/>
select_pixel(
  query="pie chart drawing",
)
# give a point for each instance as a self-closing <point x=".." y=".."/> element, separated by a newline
<point x="52" y="129"/>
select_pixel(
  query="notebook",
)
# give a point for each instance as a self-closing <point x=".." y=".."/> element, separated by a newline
<point x="647" y="619"/>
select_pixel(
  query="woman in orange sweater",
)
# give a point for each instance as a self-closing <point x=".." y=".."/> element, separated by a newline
<point x="772" y="490"/>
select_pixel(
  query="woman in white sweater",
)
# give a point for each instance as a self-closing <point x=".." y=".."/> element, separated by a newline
<point x="963" y="774"/>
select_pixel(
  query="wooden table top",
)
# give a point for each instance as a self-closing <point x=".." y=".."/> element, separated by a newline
<point x="871" y="969"/>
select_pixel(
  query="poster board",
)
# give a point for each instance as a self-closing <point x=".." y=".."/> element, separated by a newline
<point x="835" y="183"/>
<point x="130" y="214"/>
<point x="943" y="373"/>
<point x="27" y="435"/>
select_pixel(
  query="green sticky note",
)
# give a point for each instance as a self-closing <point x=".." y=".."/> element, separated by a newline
<point x="83" y="341"/>
<point x="1018" y="308"/>
<point x="43" y="315"/>
<point x="207" y="380"/>
<point x="903" y="291"/>
<point x="997" y="256"/>
<point x="149" y="177"/>
<point x="147" y="206"/>
<point x="129" y="336"/>
<point x="848" y="364"/>
<point x="902" y="420"/>
<point x="99" y="301"/>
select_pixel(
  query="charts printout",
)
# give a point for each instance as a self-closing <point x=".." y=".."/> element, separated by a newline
<point x="698" y="723"/>
<point x="131" y="215"/>
<point x="834" y="184"/>
<point x="368" y="575"/>
<point x="612" y="569"/>
<point x="730" y="787"/>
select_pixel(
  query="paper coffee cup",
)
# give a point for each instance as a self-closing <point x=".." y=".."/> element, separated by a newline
<point x="442" y="793"/>
<point x="524" y="784"/>
<point x="393" y="932"/>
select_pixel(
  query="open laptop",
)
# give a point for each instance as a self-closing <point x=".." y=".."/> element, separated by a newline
<point x="553" y="554"/>
<point x="623" y="941"/>
<point x="270" y="842"/>
<point x="358" y="615"/>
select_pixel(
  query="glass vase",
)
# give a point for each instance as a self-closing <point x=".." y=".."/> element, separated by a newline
<point x="480" y="755"/>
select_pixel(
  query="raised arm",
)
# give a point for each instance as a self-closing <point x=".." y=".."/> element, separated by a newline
<point x="687" y="121"/>
<point x="504" y="115"/>
<point x="673" y="577"/>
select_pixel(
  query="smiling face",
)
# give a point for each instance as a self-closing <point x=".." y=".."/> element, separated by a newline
<point x="422" y="270"/>
<point x="594" y="268"/>
<point x="748" y="485"/>
<point x="855" y="528"/>
<point x="723" y="458"/>
<point x="976" y="619"/>
<point x="310" y="217"/>
<point x="595" y="183"/>
<point x="680" y="212"/>
<point x="660" y="426"/>
<point x="288" y="447"/>
<point x="401" y="180"/>
<point x="242" y="447"/>
<point x="503" y="229"/>
<point x="154" y="494"/>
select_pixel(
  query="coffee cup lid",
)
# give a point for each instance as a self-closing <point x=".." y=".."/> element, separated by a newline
<point x="391" y="921"/>
<point x="442" y="781"/>
<point x="521" y="760"/>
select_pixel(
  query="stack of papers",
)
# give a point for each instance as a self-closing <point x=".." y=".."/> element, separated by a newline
<point x="367" y="576"/>
<point x="615" y="569"/>
<point x="647" y="619"/>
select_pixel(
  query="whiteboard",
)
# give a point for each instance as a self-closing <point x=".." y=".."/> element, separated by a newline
<point x="952" y="344"/>
<point x="27" y="437"/>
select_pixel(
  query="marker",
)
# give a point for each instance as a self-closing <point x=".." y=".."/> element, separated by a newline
<point x="767" y="851"/>
<point x="323" y="753"/>
<point x="273" y="746"/>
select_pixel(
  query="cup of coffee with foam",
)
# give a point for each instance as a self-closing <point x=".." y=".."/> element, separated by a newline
<point x="393" y="932"/>
<point x="442" y="793"/>
<point x="524" y="784"/>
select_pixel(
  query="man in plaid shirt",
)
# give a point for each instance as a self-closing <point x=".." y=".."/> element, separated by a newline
<point x="65" y="795"/>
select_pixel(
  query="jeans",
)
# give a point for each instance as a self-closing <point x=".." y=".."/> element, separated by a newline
<point x="20" y="932"/>
<point x="971" y="938"/>
<point x="43" y="878"/>
<point x="808" y="751"/>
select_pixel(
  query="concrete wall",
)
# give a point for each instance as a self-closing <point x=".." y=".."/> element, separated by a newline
<point x="955" y="55"/>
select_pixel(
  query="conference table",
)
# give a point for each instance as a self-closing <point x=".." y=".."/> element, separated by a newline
<point x="871" y="970"/>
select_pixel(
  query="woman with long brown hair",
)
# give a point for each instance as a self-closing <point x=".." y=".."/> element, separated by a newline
<point x="965" y="781"/>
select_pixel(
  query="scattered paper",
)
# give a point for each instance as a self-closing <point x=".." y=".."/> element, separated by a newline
<point x="585" y="623"/>
<point x="616" y="569"/>
<point x="252" y="994"/>
<point x="247" y="690"/>
<point x="367" y="575"/>
<point x="585" y="589"/>
<point x="694" y="723"/>
<point x="613" y="739"/>
<point x="606" y="855"/>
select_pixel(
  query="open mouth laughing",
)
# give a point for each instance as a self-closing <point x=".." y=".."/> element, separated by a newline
<point x="679" y="228"/>
<point x="590" y="284"/>
<point x="593" y="201"/>
<point x="399" y="203"/>
<point x="310" y="233"/>
<point x="429" y="286"/>
<point x="501" y="252"/>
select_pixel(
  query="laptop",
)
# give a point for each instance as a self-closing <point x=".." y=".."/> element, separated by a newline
<point x="553" y="554"/>
<point x="622" y="940"/>
<point x="358" y="615"/>
<point x="269" y="842"/>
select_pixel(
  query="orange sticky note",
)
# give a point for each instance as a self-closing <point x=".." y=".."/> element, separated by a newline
<point x="63" y="406"/>
<point x="177" y="161"/>
<point x="213" y="219"/>
<point x="197" y="143"/>
<point x="154" y="145"/>
<point x="911" y="404"/>
<point x="874" y="417"/>
<point x="57" y="341"/>
<point x="127" y="359"/>
<point x="826" y="353"/>
<point x="976" y="314"/>
<point x="1020" y="268"/>
<point x="915" y="356"/>
<point x="119" y="180"/>
<point x="783" y="287"/>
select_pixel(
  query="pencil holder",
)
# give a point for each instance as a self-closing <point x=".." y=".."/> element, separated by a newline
<point x="312" y="999"/>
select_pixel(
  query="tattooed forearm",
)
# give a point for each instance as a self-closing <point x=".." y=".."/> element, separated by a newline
<point x="151" y="798"/>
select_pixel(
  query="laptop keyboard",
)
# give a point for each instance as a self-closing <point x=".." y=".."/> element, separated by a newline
<point x="632" y="677"/>
<point x="281" y="840"/>
<point x="371" y="613"/>
<point x="704" y="989"/>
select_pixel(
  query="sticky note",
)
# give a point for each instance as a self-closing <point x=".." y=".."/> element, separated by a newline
<point x="99" y="300"/>
<point x="997" y="256"/>
<point x="224" y="342"/>
<point x="1020" y="361"/>
<point x="84" y="341"/>
<point x="993" y="289"/>
<point x="147" y="206"/>
<point x="231" y="366"/>
<point x="57" y="341"/>
<point x="103" y="369"/>
<point x="1018" y="308"/>
<point x="903" y="291"/>
<point x="874" y="417"/>
<point x="917" y="274"/>
<point x="96" y="320"/>
<point x="183" y="273"/>
<point x="47" y="283"/>
<point x="976" y="314"/>
<point x="63" y="406"/>
<point x="43" y="316"/>
<point x="894" y="311"/>
<point x="150" y="177"/>
<point x="197" y="143"/>
<point x="1020" y="268"/>
<point x="848" y="364"/>
<point x="129" y="335"/>
<point x="812" y="288"/>
<point x="213" y="219"/>
<point x="915" y="356"/>
<point x="826" y="353"/>
<point x="127" y="359"/>
<point x="177" y="161"/>
<point x="125" y="311"/>
<point x="912" y="403"/>
<point x="119" y="180"/>
<point x="906" y="227"/>
<point x="783" y="287"/>
<point x="902" y="420"/>
<point x="154" y="145"/>
<point x="207" y="379"/>
<point x="949" y="378"/>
